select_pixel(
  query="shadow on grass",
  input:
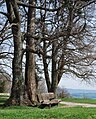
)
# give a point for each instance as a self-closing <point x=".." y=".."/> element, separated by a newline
<point x="2" y="101"/>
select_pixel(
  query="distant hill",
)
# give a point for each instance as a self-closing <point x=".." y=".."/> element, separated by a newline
<point x="80" y="93"/>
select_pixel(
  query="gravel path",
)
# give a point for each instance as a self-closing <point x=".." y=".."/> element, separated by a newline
<point x="73" y="104"/>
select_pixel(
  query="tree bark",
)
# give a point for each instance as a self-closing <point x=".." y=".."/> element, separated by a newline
<point x="30" y="79"/>
<point x="46" y="73"/>
<point x="54" y="76"/>
<point x="17" y="83"/>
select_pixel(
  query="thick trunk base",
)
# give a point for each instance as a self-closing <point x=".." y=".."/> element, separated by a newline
<point x="23" y="102"/>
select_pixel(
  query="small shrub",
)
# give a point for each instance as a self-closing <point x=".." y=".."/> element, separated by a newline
<point x="63" y="93"/>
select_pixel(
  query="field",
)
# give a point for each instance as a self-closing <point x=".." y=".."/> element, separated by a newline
<point x="54" y="113"/>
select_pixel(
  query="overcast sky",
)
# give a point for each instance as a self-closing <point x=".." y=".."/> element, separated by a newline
<point x="74" y="83"/>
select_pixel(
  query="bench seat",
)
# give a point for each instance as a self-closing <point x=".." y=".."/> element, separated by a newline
<point x="47" y="99"/>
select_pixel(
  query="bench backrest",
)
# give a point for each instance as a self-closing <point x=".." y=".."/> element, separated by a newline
<point x="45" y="96"/>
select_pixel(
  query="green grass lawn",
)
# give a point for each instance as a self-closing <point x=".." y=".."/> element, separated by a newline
<point x="79" y="100"/>
<point x="53" y="113"/>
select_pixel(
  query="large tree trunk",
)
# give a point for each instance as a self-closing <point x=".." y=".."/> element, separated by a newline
<point x="30" y="79"/>
<point x="54" y="75"/>
<point x="17" y="84"/>
<point x="17" y="96"/>
<point x="17" y="87"/>
<point x="46" y="73"/>
<point x="51" y="85"/>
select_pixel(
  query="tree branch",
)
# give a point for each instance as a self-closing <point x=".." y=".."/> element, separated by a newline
<point x="37" y="7"/>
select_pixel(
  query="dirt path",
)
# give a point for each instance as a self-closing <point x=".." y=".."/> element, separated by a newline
<point x="73" y="104"/>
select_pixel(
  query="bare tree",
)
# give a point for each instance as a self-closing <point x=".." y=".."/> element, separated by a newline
<point x="68" y="41"/>
<point x="57" y="34"/>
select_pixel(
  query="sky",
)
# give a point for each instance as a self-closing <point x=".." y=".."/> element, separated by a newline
<point x="74" y="83"/>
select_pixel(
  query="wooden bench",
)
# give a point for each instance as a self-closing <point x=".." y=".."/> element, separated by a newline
<point x="47" y="100"/>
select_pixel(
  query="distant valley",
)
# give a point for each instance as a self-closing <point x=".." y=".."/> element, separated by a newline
<point x="80" y="93"/>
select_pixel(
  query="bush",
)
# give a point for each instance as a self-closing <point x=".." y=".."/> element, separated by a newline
<point x="63" y="93"/>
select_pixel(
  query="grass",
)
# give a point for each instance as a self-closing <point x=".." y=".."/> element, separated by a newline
<point x="80" y="100"/>
<point x="53" y="113"/>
